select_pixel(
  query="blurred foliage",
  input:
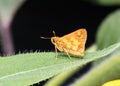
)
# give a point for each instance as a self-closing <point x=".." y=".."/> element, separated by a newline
<point x="109" y="30"/>
<point x="105" y="2"/>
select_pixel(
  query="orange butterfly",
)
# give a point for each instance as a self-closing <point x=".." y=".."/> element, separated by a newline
<point x="73" y="43"/>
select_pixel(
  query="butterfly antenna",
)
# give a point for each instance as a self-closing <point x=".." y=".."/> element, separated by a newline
<point x="54" y="33"/>
<point x="48" y="37"/>
<point x="45" y="37"/>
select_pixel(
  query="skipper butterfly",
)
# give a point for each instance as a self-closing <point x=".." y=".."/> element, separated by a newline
<point x="72" y="43"/>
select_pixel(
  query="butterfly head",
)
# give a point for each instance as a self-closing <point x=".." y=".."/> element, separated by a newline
<point x="54" y="40"/>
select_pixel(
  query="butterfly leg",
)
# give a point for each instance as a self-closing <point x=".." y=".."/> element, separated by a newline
<point x="67" y="53"/>
<point x="56" y="54"/>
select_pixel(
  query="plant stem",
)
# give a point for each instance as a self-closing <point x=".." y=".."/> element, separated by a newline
<point x="6" y="39"/>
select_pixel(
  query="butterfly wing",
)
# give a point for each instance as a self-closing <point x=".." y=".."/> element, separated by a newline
<point x="74" y="43"/>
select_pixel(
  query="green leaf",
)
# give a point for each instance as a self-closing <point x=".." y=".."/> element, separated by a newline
<point x="62" y="77"/>
<point x="109" y="30"/>
<point x="26" y="69"/>
<point x="108" y="70"/>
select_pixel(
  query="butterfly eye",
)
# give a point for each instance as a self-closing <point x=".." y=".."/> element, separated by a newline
<point x="53" y="40"/>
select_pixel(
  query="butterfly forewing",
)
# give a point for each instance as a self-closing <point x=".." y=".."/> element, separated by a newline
<point x="74" y="43"/>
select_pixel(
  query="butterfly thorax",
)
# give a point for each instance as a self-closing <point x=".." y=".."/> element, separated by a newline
<point x="58" y="43"/>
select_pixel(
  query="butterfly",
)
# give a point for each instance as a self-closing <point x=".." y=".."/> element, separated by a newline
<point x="72" y="43"/>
